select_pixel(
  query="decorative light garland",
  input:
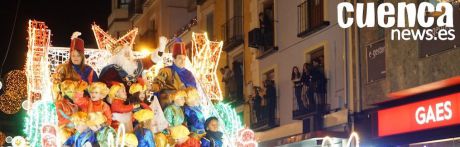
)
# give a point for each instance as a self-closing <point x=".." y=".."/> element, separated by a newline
<point x="42" y="113"/>
<point x="9" y="105"/>
<point x="353" y="135"/>
<point x="246" y="138"/>
<point x="16" y="84"/>
<point x="15" y="92"/>
<point x="230" y="122"/>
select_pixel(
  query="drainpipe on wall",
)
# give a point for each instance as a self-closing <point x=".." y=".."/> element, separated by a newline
<point x="358" y="95"/>
<point x="346" y="50"/>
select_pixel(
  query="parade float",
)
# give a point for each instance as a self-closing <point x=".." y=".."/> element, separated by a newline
<point x="41" y="122"/>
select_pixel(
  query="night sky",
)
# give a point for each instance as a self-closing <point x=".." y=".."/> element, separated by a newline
<point x="63" y="17"/>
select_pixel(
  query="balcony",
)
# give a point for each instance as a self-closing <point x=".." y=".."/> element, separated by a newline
<point x="232" y="32"/>
<point x="135" y="7"/>
<point x="310" y="95"/>
<point x="310" y="17"/>
<point x="264" y="107"/>
<point x="263" y="40"/>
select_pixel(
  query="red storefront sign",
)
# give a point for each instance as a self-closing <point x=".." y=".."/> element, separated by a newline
<point x="433" y="113"/>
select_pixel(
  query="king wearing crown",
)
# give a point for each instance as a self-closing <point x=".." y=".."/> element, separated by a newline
<point x="174" y="77"/>
<point x="124" y="68"/>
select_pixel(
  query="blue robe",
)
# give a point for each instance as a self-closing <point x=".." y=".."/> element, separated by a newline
<point x="185" y="76"/>
<point x="79" y="139"/>
<point x="209" y="142"/>
<point x="85" y="74"/>
<point x="195" y="119"/>
<point x="144" y="137"/>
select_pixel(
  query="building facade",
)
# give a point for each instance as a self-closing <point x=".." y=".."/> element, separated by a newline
<point x="153" y="18"/>
<point x="402" y="83"/>
<point x="354" y="77"/>
<point x="288" y="34"/>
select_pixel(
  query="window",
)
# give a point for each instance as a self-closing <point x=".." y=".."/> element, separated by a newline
<point x="210" y="25"/>
<point x="310" y="17"/>
<point x="123" y="4"/>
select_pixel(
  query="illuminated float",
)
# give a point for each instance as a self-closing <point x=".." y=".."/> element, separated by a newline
<point x="42" y="60"/>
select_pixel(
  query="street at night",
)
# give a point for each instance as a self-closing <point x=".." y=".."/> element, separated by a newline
<point x="230" y="73"/>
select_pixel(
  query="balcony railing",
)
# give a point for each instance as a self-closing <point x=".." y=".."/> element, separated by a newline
<point x="263" y="40"/>
<point x="232" y="32"/>
<point x="310" y="17"/>
<point x="310" y="98"/>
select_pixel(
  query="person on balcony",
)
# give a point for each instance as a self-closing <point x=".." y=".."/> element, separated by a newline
<point x="257" y="104"/>
<point x="270" y="96"/>
<point x="266" y="27"/>
<point x="308" y="87"/>
<point x="298" y="86"/>
<point x="229" y="82"/>
<point x="238" y="79"/>
<point x="319" y="81"/>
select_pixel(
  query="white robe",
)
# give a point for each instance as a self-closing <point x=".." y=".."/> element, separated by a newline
<point x="159" y="122"/>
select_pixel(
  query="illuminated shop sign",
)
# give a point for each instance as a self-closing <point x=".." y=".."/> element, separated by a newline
<point x="433" y="113"/>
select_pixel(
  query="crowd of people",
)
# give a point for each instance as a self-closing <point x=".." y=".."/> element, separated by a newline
<point x="91" y="108"/>
<point x="263" y="102"/>
<point x="309" y="86"/>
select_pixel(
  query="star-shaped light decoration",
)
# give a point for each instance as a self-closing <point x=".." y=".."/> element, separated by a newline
<point x="205" y="58"/>
<point x="105" y="41"/>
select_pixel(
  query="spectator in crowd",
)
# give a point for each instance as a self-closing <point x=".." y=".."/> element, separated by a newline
<point x="308" y="87"/>
<point x="298" y="85"/>
<point x="319" y="81"/>
<point x="257" y="104"/>
<point x="266" y="26"/>
<point x="270" y="97"/>
<point x="229" y="82"/>
<point x="238" y="79"/>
